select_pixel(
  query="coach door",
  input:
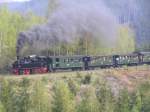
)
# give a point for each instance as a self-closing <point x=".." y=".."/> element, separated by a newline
<point x="86" y="61"/>
<point x="115" y="60"/>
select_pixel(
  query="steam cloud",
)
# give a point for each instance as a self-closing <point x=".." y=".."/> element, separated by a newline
<point x="72" y="19"/>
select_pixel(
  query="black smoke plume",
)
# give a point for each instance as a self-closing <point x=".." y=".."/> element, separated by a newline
<point x="71" y="20"/>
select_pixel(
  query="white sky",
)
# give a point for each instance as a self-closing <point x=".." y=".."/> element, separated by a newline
<point x="4" y="1"/>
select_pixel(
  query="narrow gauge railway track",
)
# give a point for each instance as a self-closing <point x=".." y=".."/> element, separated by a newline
<point x="44" y="64"/>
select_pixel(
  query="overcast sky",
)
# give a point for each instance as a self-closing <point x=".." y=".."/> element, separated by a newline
<point x="3" y="1"/>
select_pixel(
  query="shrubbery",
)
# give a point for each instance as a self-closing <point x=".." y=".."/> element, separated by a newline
<point x="41" y="95"/>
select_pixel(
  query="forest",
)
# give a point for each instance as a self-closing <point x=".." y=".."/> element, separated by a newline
<point x="105" y="91"/>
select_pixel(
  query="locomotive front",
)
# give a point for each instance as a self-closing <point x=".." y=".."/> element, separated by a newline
<point x="30" y="65"/>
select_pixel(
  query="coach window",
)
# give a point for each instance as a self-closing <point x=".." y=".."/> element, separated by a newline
<point x="104" y="58"/>
<point x="76" y="60"/>
<point x="57" y="59"/>
<point x="131" y="57"/>
<point x="80" y="60"/>
<point x="68" y="60"/>
<point x="110" y="60"/>
<point x="117" y="59"/>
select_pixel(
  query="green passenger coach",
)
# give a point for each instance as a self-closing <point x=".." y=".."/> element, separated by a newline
<point x="70" y="62"/>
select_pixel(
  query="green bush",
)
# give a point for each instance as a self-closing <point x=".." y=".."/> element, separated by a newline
<point x="73" y="86"/>
<point x="105" y="98"/>
<point x="144" y="89"/>
<point x="86" y="79"/>
<point x="123" y="104"/>
<point x="136" y="102"/>
<point x="63" y="98"/>
<point x="41" y="97"/>
<point x="89" y="101"/>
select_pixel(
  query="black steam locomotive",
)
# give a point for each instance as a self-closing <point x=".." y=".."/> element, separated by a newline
<point x="44" y="64"/>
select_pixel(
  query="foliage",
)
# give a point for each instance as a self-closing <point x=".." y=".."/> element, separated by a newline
<point x="73" y="86"/>
<point x="145" y="95"/>
<point x="40" y="95"/>
<point x="137" y="102"/>
<point x="125" y="42"/>
<point x="23" y="99"/>
<point x="105" y="98"/>
<point x="10" y="25"/>
<point x="88" y="45"/>
<point x="124" y="101"/>
<point x="63" y="98"/>
<point x="24" y="96"/>
<point x="2" y="109"/>
<point x="5" y="95"/>
<point x="86" y="79"/>
<point x="89" y="101"/>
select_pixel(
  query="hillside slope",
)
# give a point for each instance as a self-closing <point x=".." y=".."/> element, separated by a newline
<point x="110" y="90"/>
<point x="127" y="76"/>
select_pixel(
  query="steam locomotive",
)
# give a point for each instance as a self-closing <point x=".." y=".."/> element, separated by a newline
<point x="43" y="64"/>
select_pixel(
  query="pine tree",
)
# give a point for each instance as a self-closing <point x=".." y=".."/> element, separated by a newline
<point x="2" y="109"/>
<point x="24" y="102"/>
<point x="105" y="98"/>
<point x="137" y="102"/>
<point x="89" y="101"/>
<point x="63" y="99"/>
<point x="123" y="101"/>
<point x="73" y="86"/>
<point x="145" y="95"/>
<point x="40" y="97"/>
<point x="5" y="95"/>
